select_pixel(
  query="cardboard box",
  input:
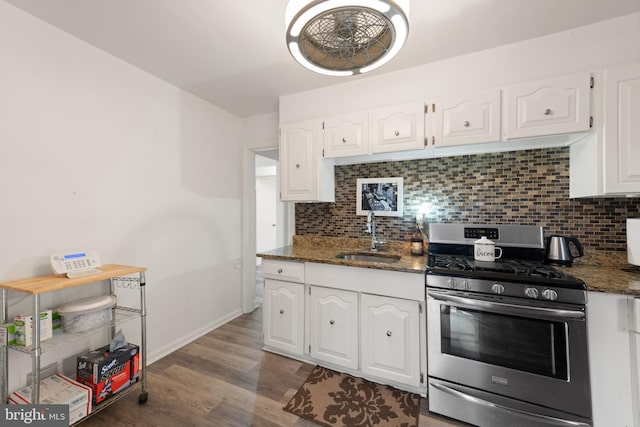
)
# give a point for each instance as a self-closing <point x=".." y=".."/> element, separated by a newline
<point x="58" y="389"/>
<point x="56" y="320"/>
<point x="106" y="372"/>
<point x="24" y="327"/>
<point x="7" y="334"/>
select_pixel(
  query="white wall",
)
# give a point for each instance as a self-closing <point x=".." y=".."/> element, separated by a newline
<point x="583" y="49"/>
<point x="95" y="153"/>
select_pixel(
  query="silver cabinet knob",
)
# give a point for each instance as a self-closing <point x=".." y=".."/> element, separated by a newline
<point x="281" y="311"/>
<point x="497" y="288"/>
<point x="331" y="322"/>
<point x="548" y="112"/>
<point x="466" y="123"/>
<point x="279" y="271"/>
<point x="550" y="294"/>
<point x="531" y="292"/>
<point x="297" y="165"/>
<point x="388" y="333"/>
<point x="396" y="133"/>
<point x="344" y="139"/>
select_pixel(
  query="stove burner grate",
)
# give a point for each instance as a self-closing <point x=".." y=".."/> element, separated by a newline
<point x="517" y="268"/>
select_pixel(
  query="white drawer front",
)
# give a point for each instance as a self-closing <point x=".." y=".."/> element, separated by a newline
<point x="283" y="270"/>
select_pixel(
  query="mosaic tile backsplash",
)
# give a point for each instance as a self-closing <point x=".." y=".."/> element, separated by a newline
<point x="529" y="187"/>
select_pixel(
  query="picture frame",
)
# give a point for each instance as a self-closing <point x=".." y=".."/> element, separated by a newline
<point x="383" y="196"/>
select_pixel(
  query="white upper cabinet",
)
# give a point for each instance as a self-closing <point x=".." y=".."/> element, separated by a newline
<point x="622" y="129"/>
<point x="397" y="128"/>
<point x="383" y="130"/>
<point x="555" y="106"/>
<point x="346" y="135"/>
<point x="304" y="175"/>
<point x="463" y="119"/>
<point x="606" y="162"/>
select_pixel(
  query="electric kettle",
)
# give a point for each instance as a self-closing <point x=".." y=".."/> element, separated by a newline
<point x="558" y="250"/>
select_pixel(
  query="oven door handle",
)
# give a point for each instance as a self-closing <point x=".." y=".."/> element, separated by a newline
<point x="509" y="309"/>
<point x="524" y="414"/>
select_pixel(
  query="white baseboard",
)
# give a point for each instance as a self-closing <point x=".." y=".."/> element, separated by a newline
<point x="175" y="345"/>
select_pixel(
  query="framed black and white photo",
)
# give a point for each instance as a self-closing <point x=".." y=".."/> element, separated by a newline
<point x="383" y="196"/>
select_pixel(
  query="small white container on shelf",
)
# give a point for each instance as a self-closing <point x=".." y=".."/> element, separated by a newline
<point x="87" y="313"/>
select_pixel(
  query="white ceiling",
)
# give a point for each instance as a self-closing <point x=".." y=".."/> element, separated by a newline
<point x="233" y="53"/>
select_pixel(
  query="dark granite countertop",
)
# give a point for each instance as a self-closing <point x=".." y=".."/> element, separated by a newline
<point x="325" y="249"/>
<point x="606" y="272"/>
<point x="602" y="272"/>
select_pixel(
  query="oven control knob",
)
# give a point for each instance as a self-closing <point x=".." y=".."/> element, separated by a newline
<point x="451" y="283"/>
<point x="550" y="294"/>
<point x="497" y="288"/>
<point x="531" y="292"/>
<point x="464" y="285"/>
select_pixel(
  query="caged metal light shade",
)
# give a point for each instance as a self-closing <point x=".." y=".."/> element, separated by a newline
<point x="346" y="37"/>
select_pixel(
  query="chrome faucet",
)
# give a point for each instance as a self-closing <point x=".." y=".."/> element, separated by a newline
<point x="371" y="229"/>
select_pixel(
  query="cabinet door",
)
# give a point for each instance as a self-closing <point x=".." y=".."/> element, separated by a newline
<point x="622" y="129"/>
<point x="304" y="176"/>
<point x="283" y="316"/>
<point x="346" y="135"/>
<point x="390" y="334"/>
<point x="610" y="359"/>
<point x="333" y="325"/>
<point x="397" y="128"/>
<point x="465" y="119"/>
<point x="549" y="107"/>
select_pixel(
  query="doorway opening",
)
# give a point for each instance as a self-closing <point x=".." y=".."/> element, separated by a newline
<point x="269" y="210"/>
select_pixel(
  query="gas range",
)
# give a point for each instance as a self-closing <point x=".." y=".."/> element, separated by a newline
<point x="520" y="272"/>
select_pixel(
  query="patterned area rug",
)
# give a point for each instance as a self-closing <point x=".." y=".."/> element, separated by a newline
<point x="333" y="399"/>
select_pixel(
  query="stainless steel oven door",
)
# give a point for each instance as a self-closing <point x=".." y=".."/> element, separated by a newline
<point x="528" y="350"/>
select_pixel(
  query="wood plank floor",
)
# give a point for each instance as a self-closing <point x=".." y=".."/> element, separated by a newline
<point x="222" y="379"/>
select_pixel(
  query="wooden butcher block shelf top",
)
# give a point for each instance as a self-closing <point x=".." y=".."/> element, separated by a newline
<point x="42" y="284"/>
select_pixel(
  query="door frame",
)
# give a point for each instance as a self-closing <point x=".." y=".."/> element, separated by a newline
<point x="285" y="231"/>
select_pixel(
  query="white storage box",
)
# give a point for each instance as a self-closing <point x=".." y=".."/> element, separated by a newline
<point x="24" y="327"/>
<point x="87" y="313"/>
<point x="59" y="390"/>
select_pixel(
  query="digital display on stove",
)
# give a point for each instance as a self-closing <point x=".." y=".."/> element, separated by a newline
<point x="476" y="233"/>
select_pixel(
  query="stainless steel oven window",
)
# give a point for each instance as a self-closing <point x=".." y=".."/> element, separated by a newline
<point x="526" y="344"/>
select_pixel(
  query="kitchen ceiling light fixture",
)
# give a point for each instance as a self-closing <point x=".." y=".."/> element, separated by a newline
<point x="346" y="37"/>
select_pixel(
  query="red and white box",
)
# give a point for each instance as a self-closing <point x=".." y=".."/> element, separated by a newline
<point x="59" y="390"/>
<point x="108" y="373"/>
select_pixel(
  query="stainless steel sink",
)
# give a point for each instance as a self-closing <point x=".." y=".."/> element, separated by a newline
<point x="368" y="257"/>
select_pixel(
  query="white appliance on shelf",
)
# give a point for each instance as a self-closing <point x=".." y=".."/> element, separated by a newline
<point x="75" y="264"/>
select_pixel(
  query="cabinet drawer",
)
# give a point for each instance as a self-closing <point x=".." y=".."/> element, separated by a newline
<point x="283" y="270"/>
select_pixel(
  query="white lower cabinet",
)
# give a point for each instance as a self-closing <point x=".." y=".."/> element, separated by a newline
<point x="283" y="316"/>
<point x="389" y="331"/>
<point x="333" y="323"/>
<point x="613" y="329"/>
<point x="364" y="321"/>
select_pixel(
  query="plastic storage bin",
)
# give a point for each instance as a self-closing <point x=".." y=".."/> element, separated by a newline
<point x="87" y="313"/>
